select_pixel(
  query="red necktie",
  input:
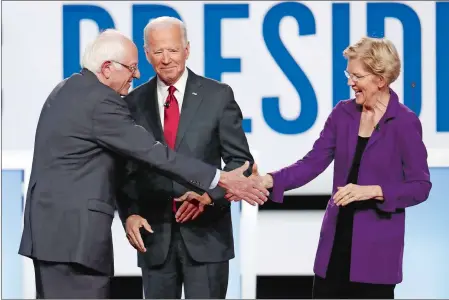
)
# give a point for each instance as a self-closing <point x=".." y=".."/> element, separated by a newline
<point x="171" y="121"/>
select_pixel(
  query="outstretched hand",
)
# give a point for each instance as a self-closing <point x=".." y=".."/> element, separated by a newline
<point x="243" y="188"/>
<point x="257" y="179"/>
<point x="251" y="191"/>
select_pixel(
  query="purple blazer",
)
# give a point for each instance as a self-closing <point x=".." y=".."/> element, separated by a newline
<point x="395" y="159"/>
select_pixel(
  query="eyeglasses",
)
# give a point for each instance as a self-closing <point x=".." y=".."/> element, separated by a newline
<point x="353" y="77"/>
<point x="132" y="69"/>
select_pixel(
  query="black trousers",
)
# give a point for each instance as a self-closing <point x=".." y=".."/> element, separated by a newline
<point x="201" y="280"/>
<point x="345" y="289"/>
<point x="69" y="280"/>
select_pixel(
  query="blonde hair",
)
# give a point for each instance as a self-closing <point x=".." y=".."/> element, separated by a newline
<point x="378" y="55"/>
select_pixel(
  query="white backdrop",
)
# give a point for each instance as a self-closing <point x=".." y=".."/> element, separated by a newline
<point x="33" y="65"/>
<point x="34" y="43"/>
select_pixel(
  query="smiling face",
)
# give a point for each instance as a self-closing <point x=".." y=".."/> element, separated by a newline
<point x="365" y="84"/>
<point x="167" y="52"/>
<point x="373" y="64"/>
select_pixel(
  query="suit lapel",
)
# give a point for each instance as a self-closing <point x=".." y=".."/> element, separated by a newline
<point x="352" y="139"/>
<point x="192" y="100"/>
<point x="353" y="134"/>
<point x="375" y="136"/>
<point x="390" y="114"/>
<point x="353" y="131"/>
<point x="151" y="111"/>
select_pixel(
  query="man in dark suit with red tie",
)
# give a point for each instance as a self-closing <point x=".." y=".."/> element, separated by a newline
<point x="198" y="117"/>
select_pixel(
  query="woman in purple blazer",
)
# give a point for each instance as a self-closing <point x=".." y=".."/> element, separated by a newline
<point x="380" y="168"/>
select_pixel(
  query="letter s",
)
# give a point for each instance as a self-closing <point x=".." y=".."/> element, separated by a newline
<point x="309" y="105"/>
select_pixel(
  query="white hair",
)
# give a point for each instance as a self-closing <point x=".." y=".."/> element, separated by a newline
<point x="109" y="45"/>
<point x="165" y="22"/>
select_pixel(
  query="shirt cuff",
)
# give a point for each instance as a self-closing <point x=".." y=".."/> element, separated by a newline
<point x="215" y="181"/>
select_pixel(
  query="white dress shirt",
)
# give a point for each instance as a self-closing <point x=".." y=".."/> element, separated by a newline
<point x="162" y="94"/>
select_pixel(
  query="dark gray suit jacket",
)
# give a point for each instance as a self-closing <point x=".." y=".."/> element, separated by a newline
<point x="83" y="130"/>
<point x="210" y="129"/>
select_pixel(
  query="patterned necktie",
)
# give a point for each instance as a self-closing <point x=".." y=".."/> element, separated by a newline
<point x="171" y="121"/>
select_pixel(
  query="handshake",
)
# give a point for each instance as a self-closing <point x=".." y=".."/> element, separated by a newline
<point x="252" y="189"/>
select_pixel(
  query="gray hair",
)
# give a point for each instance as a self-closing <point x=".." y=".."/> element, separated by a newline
<point x="109" y="45"/>
<point x="164" y="22"/>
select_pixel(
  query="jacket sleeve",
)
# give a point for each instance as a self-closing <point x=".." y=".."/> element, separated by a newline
<point x="127" y="199"/>
<point x="311" y="165"/>
<point x="233" y="143"/>
<point x="114" y="129"/>
<point x="416" y="185"/>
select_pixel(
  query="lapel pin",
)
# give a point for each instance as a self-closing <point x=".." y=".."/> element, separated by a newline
<point x="193" y="93"/>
